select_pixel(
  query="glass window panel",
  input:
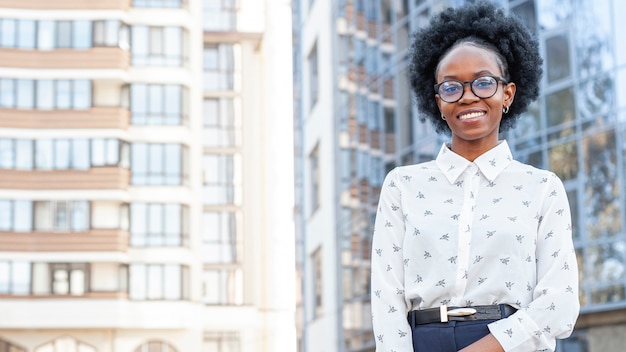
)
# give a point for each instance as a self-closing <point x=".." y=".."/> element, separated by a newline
<point x="554" y="13"/>
<point x="23" y="219"/>
<point x="77" y="282"/>
<point x="139" y="103"/>
<point x="139" y="163"/>
<point x="155" y="108"/>
<point x="173" y="94"/>
<point x="45" y="94"/>
<point x="155" y="282"/>
<point x="112" y="152"/>
<point x="7" y="93"/>
<point x="8" y="32"/>
<point x="26" y="30"/>
<point x="6" y="216"/>
<point x="561" y="107"/>
<point x="62" y="214"/>
<point x="97" y="152"/>
<point x="138" y="280"/>
<point x="172" y="226"/>
<point x="558" y="58"/>
<point x="21" y="278"/>
<point x="82" y="34"/>
<point x="173" y="279"/>
<point x="602" y="215"/>
<point x="138" y="224"/>
<point x="24" y="154"/>
<point x="156" y="41"/>
<point x="45" y="34"/>
<point x="44" y="154"/>
<point x="61" y="154"/>
<point x="60" y="282"/>
<point x="63" y="94"/>
<point x="155" y="224"/>
<point x="82" y="94"/>
<point x="64" y="34"/>
<point x="563" y="160"/>
<point x="173" y="41"/>
<point x="80" y="216"/>
<point x="25" y="94"/>
<point x="7" y="153"/>
<point x="99" y="31"/>
<point x="139" y="45"/>
<point x="173" y="154"/>
<point x="80" y="154"/>
<point x="112" y="33"/>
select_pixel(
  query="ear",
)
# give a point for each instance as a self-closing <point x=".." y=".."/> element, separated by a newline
<point x="509" y="94"/>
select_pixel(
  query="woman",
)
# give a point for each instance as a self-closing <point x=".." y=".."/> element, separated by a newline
<point x="473" y="251"/>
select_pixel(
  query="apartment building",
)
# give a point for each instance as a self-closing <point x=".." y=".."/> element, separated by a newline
<point x="357" y="121"/>
<point x="145" y="146"/>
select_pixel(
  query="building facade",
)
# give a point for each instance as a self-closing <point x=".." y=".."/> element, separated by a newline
<point x="356" y="121"/>
<point x="145" y="146"/>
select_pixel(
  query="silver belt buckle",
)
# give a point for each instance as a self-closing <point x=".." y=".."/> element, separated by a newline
<point x="458" y="312"/>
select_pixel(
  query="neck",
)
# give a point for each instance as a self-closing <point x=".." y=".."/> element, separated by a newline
<point x="471" y="150"/>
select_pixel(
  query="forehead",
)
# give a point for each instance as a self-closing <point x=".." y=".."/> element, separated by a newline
<point x="468" y="60"/>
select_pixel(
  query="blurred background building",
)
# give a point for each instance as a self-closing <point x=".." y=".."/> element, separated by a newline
<point x="145" y="176"/>
<point x="355" y="121"/>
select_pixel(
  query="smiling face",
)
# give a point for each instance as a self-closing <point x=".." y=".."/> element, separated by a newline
<point x="474" y="121"/>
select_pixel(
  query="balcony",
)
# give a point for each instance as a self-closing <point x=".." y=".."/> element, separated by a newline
<point x="96" y="117"/>
<point x="95" y="178"/>
<point x="100" y="240"/>
<point x="66" y="4"/>
<point x="94" y="58"/>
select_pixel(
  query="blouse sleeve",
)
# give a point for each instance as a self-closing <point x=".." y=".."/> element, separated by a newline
<point x="389" y="306"/>
<point x="555" y="306"/>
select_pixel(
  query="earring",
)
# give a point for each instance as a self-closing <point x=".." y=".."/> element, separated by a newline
<point x="505" y="109"/>
<point x="443" y="117"/>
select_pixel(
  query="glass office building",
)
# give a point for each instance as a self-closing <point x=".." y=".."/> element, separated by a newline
<point x="357" y="120"/>
<point x="142" y="149"/>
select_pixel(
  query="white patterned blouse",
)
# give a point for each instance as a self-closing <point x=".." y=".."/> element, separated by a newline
<point x="463" y="233"/>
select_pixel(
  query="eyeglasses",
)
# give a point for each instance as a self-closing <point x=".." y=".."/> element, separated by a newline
<point x="483" y="87"/>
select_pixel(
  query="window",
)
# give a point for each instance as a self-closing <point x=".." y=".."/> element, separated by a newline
<point x="16" y="215"/>
<point x="313" y="76"/>
<point x="316" y="260"/>
<point x="158" y="46"/>
<point x="221" y="67"/>
<point x="111" y="33"/>
<point x="220" y="15"/>
<point x="220" y="238"/>
<point x="157" y="104"/>
<point x="222" y="184"/>
<point x="17" y="33"/>
<point x="159" y="282"/>
<point x="65" y="344"/>
<point x="223" y="286"/>
<point x="6" y="346"/>
<point x="314" y="170"/>
<point x="15" y="278"/>
<point x="45" y="94"/>
<point x="221" y="128"/>
<point x="62" y="216"/>
<point x="221" y="341"/>
<point x="158" y="164"/>
<point x="62" y="154"/>
<point x="155" y="346"/>
<point x="153" y="224"/>
<point x="558" y="57"/>
<point x="69" y="279"/>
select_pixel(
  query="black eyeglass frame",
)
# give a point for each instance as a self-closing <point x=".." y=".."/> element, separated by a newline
<point x="496" y="78"/>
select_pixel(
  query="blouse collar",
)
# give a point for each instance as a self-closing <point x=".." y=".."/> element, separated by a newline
<point x="490" y="164"/>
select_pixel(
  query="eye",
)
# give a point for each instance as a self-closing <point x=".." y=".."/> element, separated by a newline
<point x="450" y="87"/>
<point x="484" y="82"/>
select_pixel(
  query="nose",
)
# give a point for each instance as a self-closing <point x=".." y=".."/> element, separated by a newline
<point x="467" y="88"/>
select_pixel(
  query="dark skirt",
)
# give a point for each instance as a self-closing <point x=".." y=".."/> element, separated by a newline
<point x="448" y="337"/>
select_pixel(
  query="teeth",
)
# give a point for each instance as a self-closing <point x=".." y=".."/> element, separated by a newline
<point x="471" y="115"/>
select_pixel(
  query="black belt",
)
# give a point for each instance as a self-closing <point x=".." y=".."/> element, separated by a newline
<point x="444" y="314"/>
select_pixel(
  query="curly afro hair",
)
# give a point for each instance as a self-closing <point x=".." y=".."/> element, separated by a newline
<point x="484" y="25"/>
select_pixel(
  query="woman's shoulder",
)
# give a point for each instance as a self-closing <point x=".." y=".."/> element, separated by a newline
<point x="533" y="171"/>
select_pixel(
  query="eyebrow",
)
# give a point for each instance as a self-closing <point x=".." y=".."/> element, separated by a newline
<point x="477" y="74"/>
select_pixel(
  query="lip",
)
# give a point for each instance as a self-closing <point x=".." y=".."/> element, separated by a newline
<point x="471" y="114"/>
